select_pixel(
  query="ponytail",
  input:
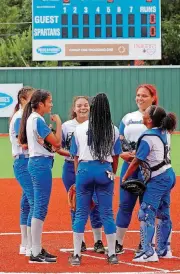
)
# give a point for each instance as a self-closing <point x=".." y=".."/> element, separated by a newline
<point x="22" y="132"/>
<point x="161" y="119"/>
<point x="23" y="93"/>
<point x="169" y="123"/>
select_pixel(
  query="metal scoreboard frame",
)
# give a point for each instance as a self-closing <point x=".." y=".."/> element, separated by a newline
<point x="96" y="30"/>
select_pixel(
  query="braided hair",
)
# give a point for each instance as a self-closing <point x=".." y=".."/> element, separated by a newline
<point x="101" y="130"/>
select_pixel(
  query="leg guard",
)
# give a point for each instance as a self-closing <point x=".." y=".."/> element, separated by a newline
<point x="164" y="229"/>
<point x="146" y="216"/>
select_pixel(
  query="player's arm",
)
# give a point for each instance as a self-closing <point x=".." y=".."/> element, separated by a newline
<point x="116" y="151"/>
<point x="55" y="139"/>
<point x="76" y="162"/>
<point x="63" y="152"/>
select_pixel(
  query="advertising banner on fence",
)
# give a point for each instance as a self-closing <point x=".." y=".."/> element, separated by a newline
<point x="8" y="98"/>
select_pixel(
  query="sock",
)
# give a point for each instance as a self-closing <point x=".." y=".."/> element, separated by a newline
<point x="36" y="232"/>
<point x="120" y="233"/>
<point x="83" y="238"/>
<point x="97" y="232"/>
<point x="77" y="240"/>
<point x="23" y="235"/>
<point x="111" y="242"/>
<point x="29" y="237"/>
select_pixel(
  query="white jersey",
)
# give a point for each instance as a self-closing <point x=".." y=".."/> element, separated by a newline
<point x="151" y="150"/>
<point x="13" y="134"/>
<point x="36" y="127"/>
<point x="68" y="129"/>
<point x="80" y="147"/>
<point x="132" y="127"/>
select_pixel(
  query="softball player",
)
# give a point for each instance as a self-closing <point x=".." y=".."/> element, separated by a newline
<point x="79" y="114"/>
<point x="96" y="144"/>
<point x="131" y="127"/>
<point x="152" y="148"/>
<point x="21" y="157"/>
<point x="35" y="132"/>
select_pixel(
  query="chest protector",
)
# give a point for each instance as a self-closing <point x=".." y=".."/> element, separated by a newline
<point x="163" y="137"/>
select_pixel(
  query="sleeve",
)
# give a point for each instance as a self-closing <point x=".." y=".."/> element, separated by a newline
<point x="121" y="128"/>
<point x="117" y="144"/>
<point x="42" y="128"/>
<point x="143" y="149"/>
<point x="17" y="126"/>
<point x="74" y="148"/>
<point x="63" y="136"/>
<point x="123" y="123"/>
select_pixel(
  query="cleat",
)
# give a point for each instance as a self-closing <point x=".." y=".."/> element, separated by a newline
<point x="37" y="259"/>
<point x="165" y="255"/>
<point x="43" y="257"/>
<point x="75" y="260"/>
<point x="119" y="248"/>
<point x="99" y="248"/>
<point x="48" y="257"/>
<point x="22" y="250"/>
<point x="143" y="258"/>
<point x="83" y="247"/>
<point x="112" y="259"/>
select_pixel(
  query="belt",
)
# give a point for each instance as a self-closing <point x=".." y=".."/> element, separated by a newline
<point x="21" y="156"/>
<point x="69" y="161"/>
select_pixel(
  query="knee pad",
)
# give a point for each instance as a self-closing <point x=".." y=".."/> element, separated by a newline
<point x="146" y="212"/>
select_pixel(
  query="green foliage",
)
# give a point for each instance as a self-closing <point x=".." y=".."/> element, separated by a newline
<point x="16" y="41"/>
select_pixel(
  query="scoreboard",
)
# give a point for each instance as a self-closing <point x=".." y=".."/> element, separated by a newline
<point x="96" y="30"/>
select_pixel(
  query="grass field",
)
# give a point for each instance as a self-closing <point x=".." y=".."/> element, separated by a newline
<point x="6" y="160"/>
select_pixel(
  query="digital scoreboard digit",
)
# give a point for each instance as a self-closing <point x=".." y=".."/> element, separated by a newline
<point x="96" y="30"/>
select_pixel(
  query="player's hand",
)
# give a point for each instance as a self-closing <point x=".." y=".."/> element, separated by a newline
<point x="127" y="156"/>
<point x="123" y="179"/>
<point x="24" y="146"/>
<point x="55" y="118"/>
<point x="110" y="175"/>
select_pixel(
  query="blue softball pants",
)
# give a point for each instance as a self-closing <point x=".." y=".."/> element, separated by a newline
<point x="40" y="170"/>
<point x="69" y="179"/>
<point x="156" y="203"/>
<point x="91" y="176"/>
<point x="127" y="200"/>
<point x="22" y="175"/>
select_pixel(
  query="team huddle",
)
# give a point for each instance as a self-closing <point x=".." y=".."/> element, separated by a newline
<point x="91" y="146"/>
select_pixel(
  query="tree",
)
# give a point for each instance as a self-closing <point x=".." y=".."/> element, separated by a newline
<point x="8" y="15"/>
